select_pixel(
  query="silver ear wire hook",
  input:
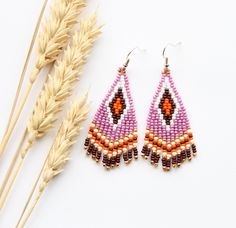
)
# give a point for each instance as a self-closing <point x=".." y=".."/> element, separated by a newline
<point x="164" y="51"/>
<point x="128" y="59"/>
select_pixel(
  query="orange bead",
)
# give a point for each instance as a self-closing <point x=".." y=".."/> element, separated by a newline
<point x="111" y="147"/>
<point x="106" y="144"/>
<point x="164" y="145"/>
<point x="155" y="141"/>
<point x="116" y="144"/>
<point x="159" y="142"/>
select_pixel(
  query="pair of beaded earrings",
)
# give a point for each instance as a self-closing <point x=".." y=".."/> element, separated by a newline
<point x="113" y="132"/>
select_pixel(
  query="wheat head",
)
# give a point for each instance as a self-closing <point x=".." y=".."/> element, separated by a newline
<point x="55" y="32"/>
<point x="66" y="137"/>
<point x="60" y="84"/>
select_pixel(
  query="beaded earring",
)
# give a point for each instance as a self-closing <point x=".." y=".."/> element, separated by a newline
<point x="168" y="134"/>
<point x="113" y="131"/>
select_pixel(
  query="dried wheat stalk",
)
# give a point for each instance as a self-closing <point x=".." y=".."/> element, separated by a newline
<point x="60" y="151"/>
<point x="57" y="89"/>
<point x="52" y="39"/>
<point x="22" y="77"/>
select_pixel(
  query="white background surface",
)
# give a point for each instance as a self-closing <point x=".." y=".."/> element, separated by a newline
<point x="200" y="193"/>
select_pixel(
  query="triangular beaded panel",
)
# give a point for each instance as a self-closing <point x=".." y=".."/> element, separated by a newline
<point x="168" y="134"/>
<point x="113" y="132"/>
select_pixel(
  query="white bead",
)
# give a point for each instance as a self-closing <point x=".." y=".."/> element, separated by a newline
<point x="189" y="131"/>
<point x="125" y="150"/>
<point x="154" y="149"/>
<point x="174" y="154"/>
<point x="96" y="145"/>
<point x="109" y="156"/>
<point x="177" y="141"/>
<point x="114" y="154"/>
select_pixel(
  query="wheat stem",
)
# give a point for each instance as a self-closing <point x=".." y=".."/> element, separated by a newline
<point x="31" y="209"/>
<point x="13" y="123"/>
<point x="22" y="77"/>
<point x="13" y="162"/>
<point x="11" y="181"/>
<point x="14" y="159"/>
<point x="32" y="191"/>
<point x="31" y="194"/>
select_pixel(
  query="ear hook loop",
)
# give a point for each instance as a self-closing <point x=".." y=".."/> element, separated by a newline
<point x="164" y="52"/>
<point x="128" y="56"/>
